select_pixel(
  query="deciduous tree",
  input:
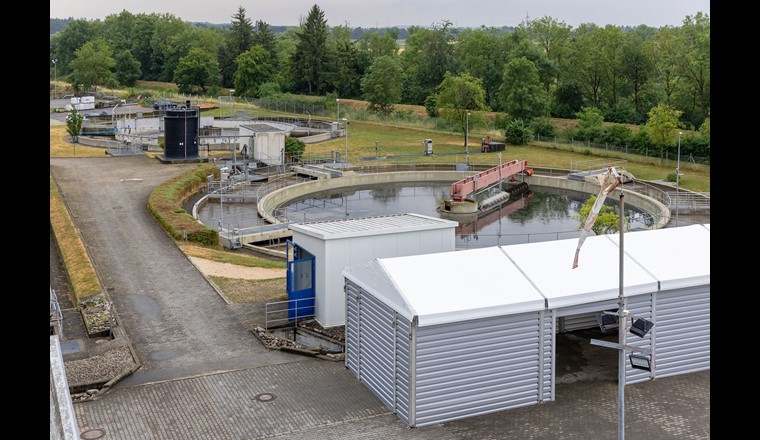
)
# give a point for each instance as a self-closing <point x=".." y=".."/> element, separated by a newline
<point x="522" y="94"/>
<point x="380" y="86"/>
<point x="197" y="69"/>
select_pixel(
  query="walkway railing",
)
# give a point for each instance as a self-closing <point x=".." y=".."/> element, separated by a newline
<point x="283" y="312"/>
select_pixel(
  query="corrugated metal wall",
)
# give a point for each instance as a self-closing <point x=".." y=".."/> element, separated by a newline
<point x="378" y="349"/>
<point x="451" y="371"/>
<point x="475" y="367"/>
<point x="639" y="306"/>
<point x="403" y="329"/>
<point x="682" y="331"/>
<point x="352" y="328"/>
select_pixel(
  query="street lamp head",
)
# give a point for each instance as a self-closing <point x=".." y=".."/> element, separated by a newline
<point x="680" y="133"/>
<point x="55" y="61"/>
<point x="232" y="91"/>
<point x="343" y="119"/>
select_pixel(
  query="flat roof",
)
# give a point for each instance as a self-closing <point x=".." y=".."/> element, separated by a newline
<point x="379" y="225"/>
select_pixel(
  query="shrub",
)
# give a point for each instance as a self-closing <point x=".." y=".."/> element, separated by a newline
<point x="518" y="133"/>
<point x="617" y="135"/>
<point x="543" y="127"/>
<point x="294" y="146"/>
<point x="164" y="205"/>
<point x="431" y="105"/>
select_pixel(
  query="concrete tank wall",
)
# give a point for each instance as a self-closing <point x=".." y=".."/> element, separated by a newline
<point x="269" y="202"/>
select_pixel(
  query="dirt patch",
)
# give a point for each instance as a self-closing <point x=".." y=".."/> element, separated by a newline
<point x="228" y="270"/>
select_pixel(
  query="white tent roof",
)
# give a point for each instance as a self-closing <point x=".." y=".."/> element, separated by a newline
<point x="463" y="285"/>
<point x="549" y="265"/>
<point x="677" y="257"/>
<point x="449" y="286"/>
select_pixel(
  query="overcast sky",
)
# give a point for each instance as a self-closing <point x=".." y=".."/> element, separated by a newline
<point x="386" y="13"/>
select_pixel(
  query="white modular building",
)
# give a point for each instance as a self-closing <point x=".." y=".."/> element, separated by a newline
<point x="335" y="245"/>
<point x="452" y="335"/>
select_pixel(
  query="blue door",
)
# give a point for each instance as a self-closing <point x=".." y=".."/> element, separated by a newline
<point x="300" y="282"/>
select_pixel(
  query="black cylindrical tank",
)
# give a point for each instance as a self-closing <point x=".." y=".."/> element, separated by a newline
<point x="181" y="127"/>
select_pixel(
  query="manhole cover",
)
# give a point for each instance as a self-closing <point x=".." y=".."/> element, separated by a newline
<point x="92" y="434"/>
<point x="265" y="397"/>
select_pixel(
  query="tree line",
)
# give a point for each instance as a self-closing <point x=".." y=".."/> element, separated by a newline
<point x="540" y="68"/>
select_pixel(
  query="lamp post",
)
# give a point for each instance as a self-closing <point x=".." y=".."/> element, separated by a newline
<point x="678" y="172"/>
<point x="55" y="78"/>
<point x="231" y="92"/>
<point x="621" y="326"/>
<point x="337" y="102"/>
<point x="346" y="121"/>
<point x="466" y="136"/>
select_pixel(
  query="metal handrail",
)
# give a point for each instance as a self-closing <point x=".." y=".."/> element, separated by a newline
<point x="55" y="308"/>
<point x="286" y="310"/>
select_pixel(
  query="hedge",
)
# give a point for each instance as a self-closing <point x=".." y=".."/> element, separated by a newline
<point x="165" y="205"/>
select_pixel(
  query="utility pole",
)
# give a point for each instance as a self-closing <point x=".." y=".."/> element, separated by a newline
<point x="55" y="78"/>
<point x="622" y="320"/>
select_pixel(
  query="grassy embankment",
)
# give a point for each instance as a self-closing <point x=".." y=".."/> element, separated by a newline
<point x="81" y="273"/>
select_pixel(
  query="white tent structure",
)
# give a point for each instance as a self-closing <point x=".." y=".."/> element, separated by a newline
<point x="451" y="335"/>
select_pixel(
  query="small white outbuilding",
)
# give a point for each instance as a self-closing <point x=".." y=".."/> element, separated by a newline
<point x="338" y="244"/>
<point x="452" y="335"/>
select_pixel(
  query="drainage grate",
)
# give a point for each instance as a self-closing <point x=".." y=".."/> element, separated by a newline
<point x="265" y="397"/>
<point x="92" y="434"/>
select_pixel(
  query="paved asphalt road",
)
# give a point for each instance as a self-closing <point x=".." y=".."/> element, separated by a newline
<point x="202" y="370"/>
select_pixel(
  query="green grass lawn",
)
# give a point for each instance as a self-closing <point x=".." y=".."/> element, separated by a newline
<point x="392" y="140"/>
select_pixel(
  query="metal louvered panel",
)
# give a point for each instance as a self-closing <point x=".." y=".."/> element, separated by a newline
<point x="682" y="337"/>
<point x="458" y="375"/>
<point x="579" y="322"/>
<point x="547" y="374"/>
<point x="639" y="306"/>
<point x="352" y="328"/>
<point x="402" y="368"/>
<point x="585" y="309"/>
<point x="376" y="338"/>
